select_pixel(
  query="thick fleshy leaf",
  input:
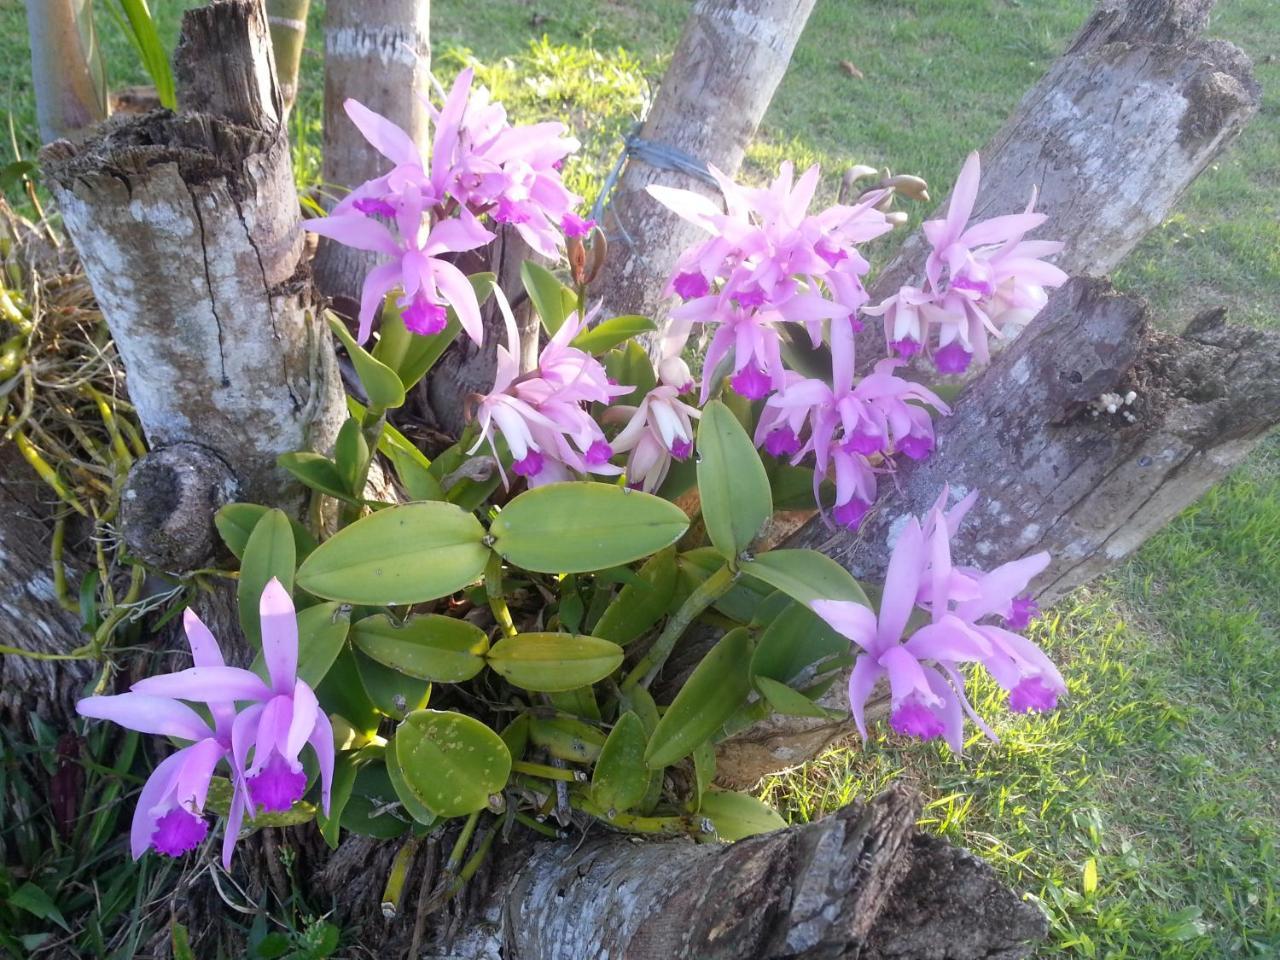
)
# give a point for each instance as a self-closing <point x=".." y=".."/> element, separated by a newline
<point x="718" y="686"/>
<point x="566" y="738"/>
<point x="629" y="365"/>
<point x="344" y="778"/>
<point x="350" y="454"/>
<point x="269" y="554"/>
<point x="741" y="603"/>
<point x="787" y="701"/>
<point x="580" y="702"/>
<point x="554" y="662"/>
<point x="704" y="771"/>
<point x="639" y="605"/>
<point x="580" y="526"/>
<point x="795" y="639"/>
<point x="412" y="805"/>
<point x="381" y="384"/>
<point x="451" y="762"/>
<point x="235" y="521"/>
<point x="391" y="692"/>
<point x="343" y="694"/>
<point x="732" y="483"/>
<point x="805" y="576"/>
<point x="369" y="811"/>
<point x="739" y="815"/>
<point x="429" y="646"/>
<point x="620" y="777"/>
<point x="551" y="299"/>
<point x="609" y="333"/>
<point x="459" y="488"/>
<point x="316" y="471"/>
<point x="402" y="555"/>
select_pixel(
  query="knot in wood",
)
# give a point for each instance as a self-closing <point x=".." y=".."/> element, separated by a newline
<point x="168" y="503"/>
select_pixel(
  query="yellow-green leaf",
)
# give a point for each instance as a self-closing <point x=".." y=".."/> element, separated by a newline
<point x="401" y="555"/>
<point x="554" y="662"/>
<point x="451" y="762"/>
<point x="381" y="384"/>
<point x="738" y="815"/>
<point x="269" y="552"/>
<point x="732" y="483"/>
<point x="620" y="777"/>
<point x="805" y="576"/>
<point x="429" y="646"/>
<point x="581" y="526"/>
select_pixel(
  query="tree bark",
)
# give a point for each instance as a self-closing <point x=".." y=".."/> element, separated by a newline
<point x="731" y="58"/>
<point x="377" y="52"/>
<point x="1123" y="122"/>
<point x="1057" y="471"/>
<point x="30" y="616"/>
<point x="188" y="229"/>
<point x="67" y="71"/>
<point x="863" y="882"/>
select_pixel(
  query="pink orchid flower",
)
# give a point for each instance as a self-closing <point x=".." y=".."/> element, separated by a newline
<point x="659" y="430"/>
<point x="169" y="816"/>
<point x="428" y="283"/>
<point x="510" y="172"/>
<point x="268" y="736"/>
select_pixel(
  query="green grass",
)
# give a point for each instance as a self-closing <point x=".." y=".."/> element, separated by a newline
<point x="1160" y="775"/>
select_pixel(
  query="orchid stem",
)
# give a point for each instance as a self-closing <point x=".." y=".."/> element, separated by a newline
<point x="707" y="593"/>
<point x="497" y="601"/>
<point x="460" y="847"/>
<point x="393" y="892"/>
<point x="547" y="772"/>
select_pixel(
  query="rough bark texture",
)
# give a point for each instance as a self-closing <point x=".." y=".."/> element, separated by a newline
<point x="30" y="615"/>
<point x="188" y="230"/>
<point x="731" y="57"/>
<point x="863" y="882"/>
<point x="1056" y="471"/>
<point x="377" y="52"/>
<point x="68" y="76"/>
<point x="1111" y="137"/>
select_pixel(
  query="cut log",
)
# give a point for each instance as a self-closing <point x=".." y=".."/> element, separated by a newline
<point x="731" y="58"/>
<point x="1111" y="136"/>
<point x="377" y="52"/>
<point x="188" y="230"/>
<point x="1057" y="470"/>
<point x="863" y="882"/>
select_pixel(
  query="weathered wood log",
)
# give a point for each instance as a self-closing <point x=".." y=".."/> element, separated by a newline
<point x="1112" y="135"/>
<point x="863" y="882"/>
<point x="1062" y="461"/>
<point x="377" y="52"/>
<point x="188" y="229"/>
<point x="730" y="60"/>
<point x="30" y="616"/>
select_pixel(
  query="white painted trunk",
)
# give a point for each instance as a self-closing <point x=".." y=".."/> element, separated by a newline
<point x="379" y="53"/>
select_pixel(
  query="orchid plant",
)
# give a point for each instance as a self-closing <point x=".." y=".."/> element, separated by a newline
<point x="485" y="644"/>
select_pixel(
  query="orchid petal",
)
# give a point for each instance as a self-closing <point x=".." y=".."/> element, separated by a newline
<point x="206" y="685"/>
<point x="147" y="714"/>
<point x="279" y="635"/>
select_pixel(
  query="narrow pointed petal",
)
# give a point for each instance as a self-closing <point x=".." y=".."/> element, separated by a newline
<point x="849" y="619"/>
<point x="461" y="295"/>
<point x="147" y="714"/>
<point x="901" y="582"/>
<point x="354" y="230"/>
<point x="862" y="680"/>
<point x="235" y="818"/>
<point x="321" y="741"/>
<point x="205" y="651"/>
<point x="192" y="784"/>
<point x="383" y="135"/>
<point x="206" y="685"/>
<point x="279" y="636"/>
<point x="303" y="721"/>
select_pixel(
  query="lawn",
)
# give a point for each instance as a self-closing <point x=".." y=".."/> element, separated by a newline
<point x="1143" y="816"/>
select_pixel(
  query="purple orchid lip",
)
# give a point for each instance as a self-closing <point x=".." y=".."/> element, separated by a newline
<point x="530" y="466"/>
<point x="179" y="831"/>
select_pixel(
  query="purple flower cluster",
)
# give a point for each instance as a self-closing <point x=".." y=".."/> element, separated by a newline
<point x="260" y="743"/>
<point x="542" y="414"/>
<point x="768" y="262"/>
<point x="422" y="209"/>
<point x="972" y="618"/>
<point x="979" y="281"/>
